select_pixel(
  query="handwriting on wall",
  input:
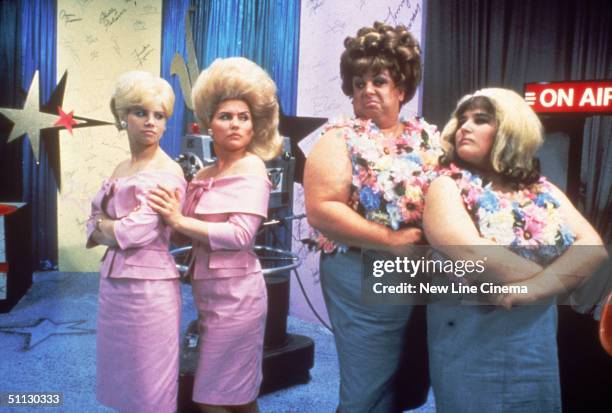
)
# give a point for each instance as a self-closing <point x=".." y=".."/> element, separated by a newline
<point x="319" y="92"/>
<point x="67" y="17"/>
<point x="110" y="17"/>
<point x="96" y="42"/>
<point x="142" y="53"/>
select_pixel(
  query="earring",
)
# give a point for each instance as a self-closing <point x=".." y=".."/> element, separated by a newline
<point x="209" y="132"/>
<point x="123" y="124"/>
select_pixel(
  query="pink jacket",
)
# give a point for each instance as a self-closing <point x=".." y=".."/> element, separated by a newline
<point x="141" y="233"/>
<point x="234" y="207"/>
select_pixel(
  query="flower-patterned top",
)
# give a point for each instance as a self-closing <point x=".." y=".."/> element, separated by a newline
<point x="527" y="220"/>
<point x="390" y="174"/>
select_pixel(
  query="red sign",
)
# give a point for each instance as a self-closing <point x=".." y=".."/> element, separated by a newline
<point x="7" y="209"/>
<point x="573" y="97"/>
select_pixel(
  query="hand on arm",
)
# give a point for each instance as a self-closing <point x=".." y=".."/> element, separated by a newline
<point x="572" y="268"/>
<point x="166" y="203"/>
<point x="327" y="184"/>
<point x="450" y="229"/>
<point x="94" y="236"/>
<point x="104" y="234"/>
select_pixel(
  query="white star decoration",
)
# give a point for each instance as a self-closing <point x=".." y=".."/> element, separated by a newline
<point x="30" y="120"/>
<point x="45" y="328"/>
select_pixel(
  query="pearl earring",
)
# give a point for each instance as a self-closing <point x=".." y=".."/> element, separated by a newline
<point x="209" y="132"/>
<point x="123" y="124"/>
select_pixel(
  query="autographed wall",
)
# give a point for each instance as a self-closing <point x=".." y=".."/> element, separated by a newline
<point x="96" y="42"/>
<point x="324" y="25"/>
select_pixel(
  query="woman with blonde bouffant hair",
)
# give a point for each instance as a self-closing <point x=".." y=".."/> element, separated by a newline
<point x="510" y="156"/>
<point x="235" y="102"/>
<point x="491" y="203"/>
<point x="137" y="340"/>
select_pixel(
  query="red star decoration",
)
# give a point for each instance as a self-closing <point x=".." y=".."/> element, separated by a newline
<point x="65" y="119"/>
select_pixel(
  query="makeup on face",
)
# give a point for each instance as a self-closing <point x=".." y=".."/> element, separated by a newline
<point x="376" y="95"/>
<point x="475" y="137"/>
<point x="146" y="123"/>
<point x="232" y="125"/>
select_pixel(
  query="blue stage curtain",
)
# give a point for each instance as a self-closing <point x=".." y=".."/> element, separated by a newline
<point x="173" y="41"/>
<point x="10" y="152"/>
<point x="265" y="31"/>
<point x="37" y="51"/>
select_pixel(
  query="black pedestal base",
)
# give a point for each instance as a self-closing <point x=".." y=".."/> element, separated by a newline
<point x="288" y="365"/>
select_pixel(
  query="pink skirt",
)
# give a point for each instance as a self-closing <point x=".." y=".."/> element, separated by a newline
<point x="232" y="319"/>
<point x="138" y="344"/>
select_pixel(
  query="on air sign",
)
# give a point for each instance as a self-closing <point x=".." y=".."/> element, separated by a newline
<point x="574" y="97"/>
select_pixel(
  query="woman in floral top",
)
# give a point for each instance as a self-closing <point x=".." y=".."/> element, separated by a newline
<point x="364" y="184"/>
<point x="494" y="359"/>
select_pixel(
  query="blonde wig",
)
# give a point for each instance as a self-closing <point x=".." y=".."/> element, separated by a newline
<point x="382" y="47"/>
<point x="237" y="78"/>
<point x="518" y="137"/>
<point x="137" y="88"/>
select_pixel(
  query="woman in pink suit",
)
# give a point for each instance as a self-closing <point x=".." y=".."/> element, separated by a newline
<point x="139" y="300"/>
<point x="235" y="100"/>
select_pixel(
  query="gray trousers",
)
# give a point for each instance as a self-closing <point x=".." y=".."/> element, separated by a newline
<point x="370" y="339"/>
<point x="488" y="359"/>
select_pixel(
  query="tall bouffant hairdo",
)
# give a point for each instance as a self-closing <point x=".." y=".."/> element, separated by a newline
<point x="241" y="79"/>
<point x="140" y="88"/>
<point x="518" y="137"/>
<point x="382" y="47"/>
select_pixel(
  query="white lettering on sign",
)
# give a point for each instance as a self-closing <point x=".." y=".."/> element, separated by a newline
<point x="587" y="98"/>
<point x="554" y="97"/>
<point x="548" y="98"/>
<point x="565" y="98"/>
<point x="598" y="97"/>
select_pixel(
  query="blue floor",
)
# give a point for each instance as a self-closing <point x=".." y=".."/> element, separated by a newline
<point x="47" y="344"/>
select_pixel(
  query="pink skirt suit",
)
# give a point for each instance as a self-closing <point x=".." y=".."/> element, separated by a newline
<point x="137" y="342"/>
<point x="228" y="287"/>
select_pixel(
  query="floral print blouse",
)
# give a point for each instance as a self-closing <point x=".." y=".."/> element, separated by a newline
<point x="527" y="220"/>
<point x="390" y="174"/>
